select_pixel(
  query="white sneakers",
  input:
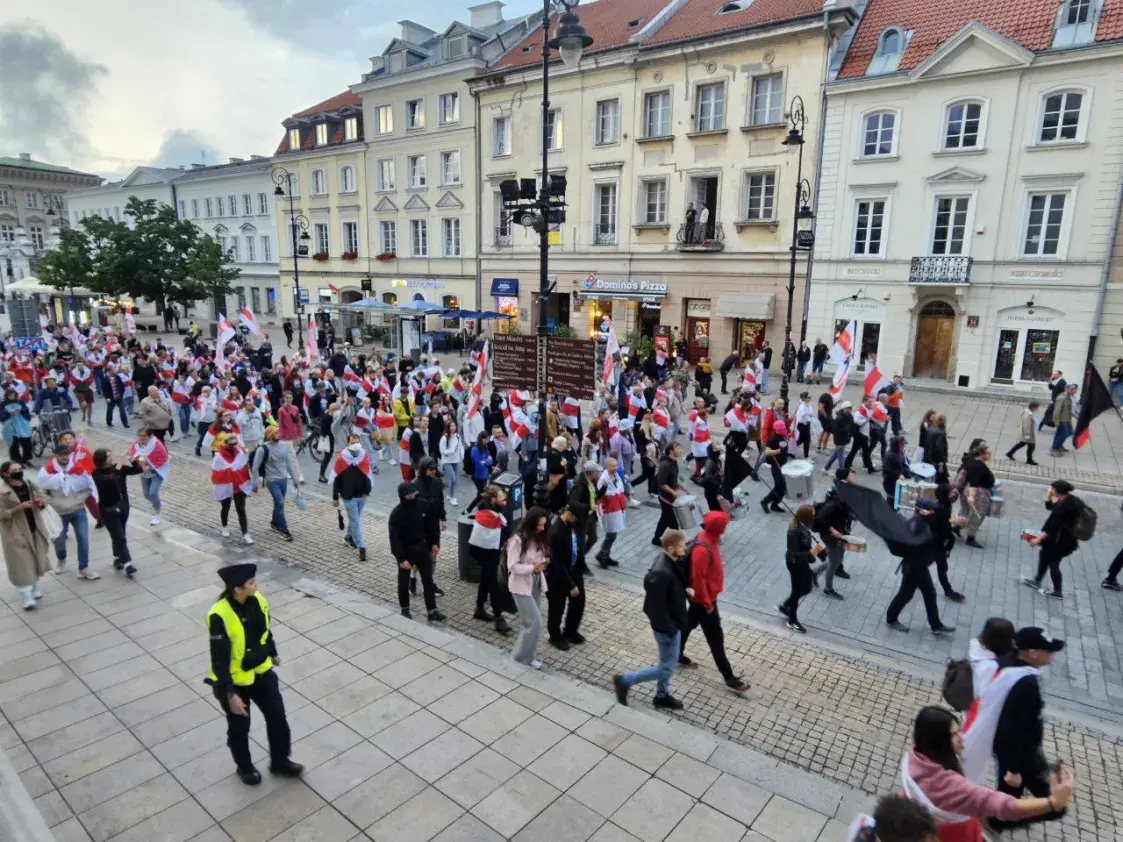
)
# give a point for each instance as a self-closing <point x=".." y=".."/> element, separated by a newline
<point x="633" y="503"/>
<point x="246" y="539"/>
<point x="454" y="501"/>
<point x="536" y="664"/>
<point x="155" y="521"/>
<point x="392" y="462"/>
<point x="226" y="532"/>
<point x="88" y="574"/>
<point x="28" y="598"/>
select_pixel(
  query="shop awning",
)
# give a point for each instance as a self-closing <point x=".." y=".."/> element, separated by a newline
<point x="747" y="305"/>
<point x="32" y="286"/>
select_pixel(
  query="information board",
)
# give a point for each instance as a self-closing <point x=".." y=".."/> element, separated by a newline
<point x="514" y="361"/>
<point x="571" y="367"/>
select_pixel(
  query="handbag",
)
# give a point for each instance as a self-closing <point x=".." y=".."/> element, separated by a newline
<point x="52" y="523"/>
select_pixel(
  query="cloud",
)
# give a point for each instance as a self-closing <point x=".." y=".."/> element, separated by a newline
<point x="184" y="147"/>
<point x="45" y="90"/>
<point x="354" y="28"/>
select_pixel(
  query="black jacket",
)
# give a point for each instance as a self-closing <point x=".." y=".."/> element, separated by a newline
<point x="1061" y="542"/>
<point x="819" y="353"/>
<point x="799" y="545"/>
<point x="833" y="513"/>
<point x="253" y="622"/>
<point x="112" y="489"/>
<point x="664" y="600"/>
<point x="843" y="428"/>
<point x="431" y="490"/>
<point x="728" y="363"/>
<point x="350" y="483"/>
<point x="407" y="529"/>
<point x="767" y="361"/>
<point x="579" y="494"/>
<point x="1017" y="742"/>
<point x="803" y="355"/>
<point x="936" y="447"/>
<point x="143" y="377"/>
<point x="666" y="475"/>
<point x="564" y="570"/>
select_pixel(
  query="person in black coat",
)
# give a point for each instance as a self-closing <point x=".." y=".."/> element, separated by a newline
<point x="941" y="524"/>
<point x="936" y="447"/>
<point x="668" y="488"/>
<point x="801" y="549"/>
<point x="1056" y="540"/>
<point x="113" y="499"/>
<point x="727" y="365"/>
<point x="802" y="358"/>
<point x="582" y="502"/>
<point x="915" y="575"/>
<point x="894" y="466"/>
<point x="565" y="581"/>
<point x="144" y="375"/>
<point x="410" y="547"/>
<point x="1057" y="386"/>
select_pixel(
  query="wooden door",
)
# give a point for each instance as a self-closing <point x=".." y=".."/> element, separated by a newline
<point x="933" y="345"/>
<point x="697" y="338"/>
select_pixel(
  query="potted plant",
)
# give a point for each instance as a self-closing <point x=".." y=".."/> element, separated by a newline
<point x="320" y="256"/>
<point x="350" y="255"/>
<point x="386" y="255"/>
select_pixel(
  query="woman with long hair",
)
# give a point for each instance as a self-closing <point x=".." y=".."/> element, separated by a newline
<point x="801" y="549"/>
<point x="452" y="458"/>
<point x="932" y="776"/>
<point x="151" y="457"/>
<point x="113" y="500"/>
<point x="483" y="546"/>
<point x="978" y="484"/>
<point x="527" y="558"/>
<point x="482" y="464"/>
<point x="23" y="536"/>
<point x="922" y="435"/>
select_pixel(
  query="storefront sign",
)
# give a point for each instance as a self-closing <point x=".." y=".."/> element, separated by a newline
<point x="571" y="367"/>
<point x="861" y="272"/>
<point x="418" y="283"/>
<point x="651" y="304"/>
<point x="365" y="284"/>
<point x="505" y="287"/>
<point x="862" y="309"/>
<point x="1036" y="274"/>
<point x="514" y="361"/>
<point x="1017" y="317"/>
<point x="701" y="309"/>
<point x="593" y="286"/>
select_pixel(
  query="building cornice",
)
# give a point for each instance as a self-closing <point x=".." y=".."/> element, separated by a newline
<point x="10" y="173"/>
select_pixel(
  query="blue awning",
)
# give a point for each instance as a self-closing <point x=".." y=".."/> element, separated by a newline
<point x="505" y="287"/>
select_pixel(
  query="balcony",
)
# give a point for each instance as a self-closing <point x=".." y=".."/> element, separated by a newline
<point x="604" y="236"/>
<point x="944" y="269"/>
<point x="693" y="240"/>
<point x="502" y="237"/>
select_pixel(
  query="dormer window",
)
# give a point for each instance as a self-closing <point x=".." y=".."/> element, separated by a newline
<point x="294" y="139"/>
<point x="734" y="6"/>
<point x="351" y="129"/>
<point x="322" y="134"/>
<point x="890" y="47"/>
<point x="1076" y="22"/>
<point x="456" y="47"/>
<point x="396" y="61"/>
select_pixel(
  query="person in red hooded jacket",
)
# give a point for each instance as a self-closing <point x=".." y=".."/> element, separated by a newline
<point x="707" y="578"/>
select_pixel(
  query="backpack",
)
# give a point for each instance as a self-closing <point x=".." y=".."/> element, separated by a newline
<point x="264" y="460"/>
<point x="1083" y="523"/>
<point x="958" y="687"/>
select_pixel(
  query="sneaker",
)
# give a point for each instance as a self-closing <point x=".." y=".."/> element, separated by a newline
<point x="797" y="626"/>
<point x="1031" y="582"/>
<point x="687" y="663"/>
<point x="287" y="769"/>
<point x="436" y="616"/>
<point x="155" y="521"/>
<point x="392" y="462"/>
<point x="362" y="553"/>
<point x="559" y="643"/>
<point x="350" y="542"/>
<point x="406" y="614"/>
<point x="1111" y="585"/>
<point x="437" y="590"/>
<point x="1051" y="594"/>
<point x="535" y="664"/>
<point x="621" y="689"/>
<point x="35" y="592"/>
<point x="633" y="503"/>
<point x="482" y="614"/>
<point x="575" y="637"/>
<point x="226" y="532"/>
<point x="667" y="703"/>
<point x="971" y="542"/>
<point x="896" y="625"/>
<point x="737" y="684"/>
<point x="284" y="534"/>
<point x="130" y="571"/>
<point x="324" y="480"/>
<point x="88" y="574"/>
<point x="842" y="574"/>
<point x="118" y="564"/>
<point x="1010" y="456"/>
<point x="60" y="566"/>
<point x="1032" y="463"/>
<point x="454" y="501"/>
<point x="783" y="609"/>
<point x="28" y="601"/>
<point x="246" y="539"/>
<point x="944" y="629"/>
<point x="832" y="593"/>
<point x="955" y="596"/>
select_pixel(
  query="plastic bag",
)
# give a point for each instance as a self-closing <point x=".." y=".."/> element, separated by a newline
<point x="52" y="523"/>
<point x="299" y="498"/>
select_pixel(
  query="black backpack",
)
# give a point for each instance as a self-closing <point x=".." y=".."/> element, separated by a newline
<point x="264" y="459"/>
<point x="959" y="684"/>
<point x="1083" y="523"/>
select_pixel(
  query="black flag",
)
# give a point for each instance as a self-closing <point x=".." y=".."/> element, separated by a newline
<point x="1094" y="399"/>
<point x="871" y="509"/>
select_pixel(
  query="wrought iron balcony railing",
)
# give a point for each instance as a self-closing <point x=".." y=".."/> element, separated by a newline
<point x="940" y="269"/>
<point x="694" y="239"/>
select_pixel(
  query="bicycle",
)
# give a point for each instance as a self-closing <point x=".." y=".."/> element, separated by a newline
<point x="315" y="443"/>
<point x="48" y="425"/>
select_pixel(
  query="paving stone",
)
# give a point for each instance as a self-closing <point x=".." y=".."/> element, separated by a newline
<point x="181" y="821"/>
<point x="92" y="758"/>
<point x="381" y="714"/>
<point x="476" y="778"/>
<point x="608" y="785"/>
<point x="652" y="813"/>
<point x="70" y="830"/>
<point x="457" y="705"/>
<point x="329" y="681"/>
<point x="35" y="781"/>
<point x="566" y="716"/>
<point x="111" y="781"/>
<point x="835" y="831"/>
<point x="214" y="765"/>
<point x="563" y="821"/>
<point x="603" y="734"/>
<point x="736" y="798"/>
<point x="379" y="796"/>
<point x="434" y="685"/>
<point x="73" y="737"/>
<point x="564" y="764"/>
<point x="786" y="821"/>
<point x="419" y="819"/>
<point x="227" y="796"/>
<point x="41" y="724"/>
<point x="322" y="746"/>
<point x="53" y="808"/>
<point x="273" y="814"/>
<point x="325" y="825"/>
<point x="515" y="804"/>
<point x="353" y="697"/>
<point x="612" y="833"/>
<point x="411" y="733"/>
<point x="468" y="828"/>
<point x="525" y="743"/>
<point x="43" y="700"/>
<point x="642" y="752"/>
<point x="704" y="822"/>
<point x="687" y="774"/>
<point x="442" y="754"/>
<point x="347" y="770"/>
<point x="495" y="720"/>
<point x="404" y="670"/>
<point x="133" y="807"/>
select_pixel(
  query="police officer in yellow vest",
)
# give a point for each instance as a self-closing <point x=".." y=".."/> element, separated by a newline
<point x="243" y="653"/>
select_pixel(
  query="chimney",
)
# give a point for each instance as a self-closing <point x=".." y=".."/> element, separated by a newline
<point x="485" y="14"/>
<point x="197" y="166"/>
<point x="25" y="156"/>
<point x="237" y="160"/>
<point x="415" y="33"/>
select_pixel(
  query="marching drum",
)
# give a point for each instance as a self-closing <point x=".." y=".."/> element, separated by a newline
<point x="997" y="506"/>
<point x="909" y="491"/>
<point x="923" y="471"/>
<point x="688" y="513"/>
<point x="854" y="544"/>
<point x="1029" y="534"/>
<point x="799" y="479"/>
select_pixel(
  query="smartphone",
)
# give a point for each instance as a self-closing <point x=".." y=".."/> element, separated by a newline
<point x="1055" y="768"/>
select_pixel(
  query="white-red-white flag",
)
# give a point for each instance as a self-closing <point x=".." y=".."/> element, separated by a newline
<point x="247" y="318"/>
<point x="310" y="347"/>
<point x="130" y="322"/>
<point x="225" y="330"/>
<point x="842" y="353"/>
<point x="610" y="350"/>
<point x="875" y="381"/>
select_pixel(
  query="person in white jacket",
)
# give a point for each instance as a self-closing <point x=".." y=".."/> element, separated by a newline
<point x="452" y="458"/>
<point x="995" y="641"/>
<point x="202" y="415"/>
<point x="803" y="415"/>
<point x="251" y="423"/>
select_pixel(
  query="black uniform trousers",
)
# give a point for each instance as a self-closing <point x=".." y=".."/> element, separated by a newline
<point x="265" y="692"/>
<point x="715" y="636"/>
<point x="915" y="576"/>
<point x="1036" y="780"/>
<point x="667" y="520"/>
<point x="419" y="556"/>
<point x="558" y="600"/>
<point x="861" y="443"/>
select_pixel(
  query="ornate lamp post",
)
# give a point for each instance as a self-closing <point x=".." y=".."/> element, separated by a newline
<point x="803" y="239"/>
<point x="282" y="176"/>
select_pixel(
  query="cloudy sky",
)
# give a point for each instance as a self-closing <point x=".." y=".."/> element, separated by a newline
<point x="104" y="85"/>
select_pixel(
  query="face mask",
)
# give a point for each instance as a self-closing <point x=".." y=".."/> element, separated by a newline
<point x="355" y="448"/>
<point x="16" y="475"/>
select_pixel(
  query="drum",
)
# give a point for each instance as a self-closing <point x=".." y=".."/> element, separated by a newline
<point x="854" y="544"/>
<point x="688" y="513"/>
<point x="1029" y="534"/>
<point x="799" y="479"/>
<point x="923" y="471"/>
<point x="997" y="506"/>
<point x="909" y="491"/>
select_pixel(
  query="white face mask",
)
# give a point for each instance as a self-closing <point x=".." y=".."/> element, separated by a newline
<point x="355" y="448"/>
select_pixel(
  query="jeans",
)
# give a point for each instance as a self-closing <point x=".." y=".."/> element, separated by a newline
<point x="452" y="472"/>
<point x="185" y="417"/>
<point x="120" y="404"/>
<point x="835" y="554"/>
<point x="81" y="535"/>
<point x="1051" y="562"/>
<point x="277" y="489"/>
<point x="530" y="622"/>
<point x="801" y="371"/>
<point x="150" y="487"/>
<point x="354" y="509"/>
<point x="895" y="419"/>
<point x="764" y="381"/>
<point x="668" y="645"/>
<point x="1064" y="430"/>
<point x="419" y="557"/>
<point x="839" y="454"/>
<point x="1029" y="450"/>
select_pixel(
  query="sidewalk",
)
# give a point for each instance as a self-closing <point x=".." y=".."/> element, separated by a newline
<point x="408" y="733"/>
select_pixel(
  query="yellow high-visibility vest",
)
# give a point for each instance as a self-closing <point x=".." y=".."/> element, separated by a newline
<point x="237" y="634"/>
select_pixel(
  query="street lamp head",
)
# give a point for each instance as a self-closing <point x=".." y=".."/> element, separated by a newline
<point x="570" y="39"/>
<point x="280" y="191"/>
<point x="797" y="122"/>
<point x="304" y="236"/>
<point x="794" y="138"/>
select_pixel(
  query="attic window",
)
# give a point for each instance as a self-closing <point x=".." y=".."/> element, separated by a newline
<point x="527" y="49"/>
<point x="1076" y="23"/>
<point x="734" y="6"/>
<point x="634" y="23"/>
<point x="890" y="47"/>
<point x="456" y="47"/>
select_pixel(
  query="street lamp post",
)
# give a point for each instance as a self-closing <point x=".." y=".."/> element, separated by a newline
<point x="538" y="212"/>
<point x="802" y="237"/>
<point x="282" y="176"/>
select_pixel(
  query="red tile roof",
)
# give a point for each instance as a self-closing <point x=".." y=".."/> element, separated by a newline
<point x="1025" y="22"/>
<point x="699" y="17"/>
<point x="334" y="103"/>
<point x="605" y="20"/>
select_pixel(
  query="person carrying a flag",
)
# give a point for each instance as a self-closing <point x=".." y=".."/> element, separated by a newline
<point x="149" y="454"/>
<point x="231" y="481"/>
<point x="351" y="483"/>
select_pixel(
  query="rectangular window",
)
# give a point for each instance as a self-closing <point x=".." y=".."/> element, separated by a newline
<point x="351" y="237"/>
<point x="502" y="223"/>
<point x="247" y="204"/>
<point x="450" y="237"/>
<point x="415" y="166"/>
<point x="220" y="210"/>
<point x="415" y="114"/>
<point x="241" y="293"/>
<point x="36" y="234"/>
<point x="657" y="114"/>
<point x="501" y="137"/>
<point x="207" y="208"/>
<point x="450" y="167"/>
<point x="262" y="203"/>
<point x="385" y="174"/>
<point x="321" y="134"/>
<point x="7" y="233"/>
<point x="449" y="108"/>
<point x="1077" y="12"/>
<point x="5" y="199"/>
<point x="322" y="241"/>
<point x="553" y="129"/>
<point x="294" y="139"/>
<point x="388" y="237"/>
<point x="950" y="229"/>
<point x="868" y="227"/>
<point x="655" y="202"/>
<point x="962" y="130"/>
<point x="879" y="135"/>
<point x="419" y="237"/>
<point x="266" y="249"/>
<point x="456" y="47"/>
<point x="347" y="179"/>
<point x="760" y="195"/>
<point x="710" y="108"/>
<point x="251" y="251"/>
<point x="255" y="298"/>
<point x="182" y="209"/>
<point x="32" y="200"/>
<point x="351" y="129"/>
<point x="1060" y="119"/>
<point x="604" y="209"/>
<point x="232" y="201"/>
<point x="194" y="208"/>
<point x="271" y="301"/>
<point x="383" y="119"/>
<point x="768" y="104"/>
<point x="1043" y="226"/>
<point x="234" y="255"/>
<point x="319" y="183"/>
<point x="607" y="128"/>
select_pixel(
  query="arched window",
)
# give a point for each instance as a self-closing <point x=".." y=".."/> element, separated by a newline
<point x="390" y="298"/>
<point x="937" y="308"/>
<point x="347" y="179"/>
<point x="890" y="47"/>
<point x="319" y="183"/>
<point x="879" y="134"/>
<point x="734" y="6"/>
<point x="1062" y="117"/>
<point x="963" y="125"/>
<point x="418" y="296"/>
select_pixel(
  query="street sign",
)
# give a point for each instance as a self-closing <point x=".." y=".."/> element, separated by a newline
<point x="365" y="284"/>
<point x="303" y="296"/>
<point x="514" y="361"/>
<point x="804" y="239"/>
<point x="571" y="367"/>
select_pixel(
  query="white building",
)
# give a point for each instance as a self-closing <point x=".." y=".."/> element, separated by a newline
<point x="970" y="173"/>
<point x="109" y="200"/>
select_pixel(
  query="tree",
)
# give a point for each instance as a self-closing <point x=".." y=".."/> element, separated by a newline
<point x="208" y="271"/>
<point x="71" y="264"/>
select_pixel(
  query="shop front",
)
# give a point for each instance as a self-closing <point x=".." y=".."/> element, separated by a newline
<point x="505" y="294"/>
<point x="639" y="304"/>
<point x="751" y="312"/>
<point x="1025" y="349"/>
<point x="868" y="314"/>
<point x="697" y="329"/>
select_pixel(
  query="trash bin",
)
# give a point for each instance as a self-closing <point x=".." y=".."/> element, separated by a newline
<point x="469" y="570"/>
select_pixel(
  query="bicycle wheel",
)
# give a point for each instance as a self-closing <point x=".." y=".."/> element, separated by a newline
<point x="316" y="447"/>
<point x="39" y="443"/>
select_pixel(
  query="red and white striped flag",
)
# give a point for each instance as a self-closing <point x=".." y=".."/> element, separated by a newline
<point x="247" y="318"/>
<point x="346" y="459"/>
<point x="154" y="453"/>
<point x="610" y="350"/>
<point x="842" y="353"/>
<point x="130" y="322"/>
<point x="310" y="347"/>
<point x="487" y="531"/>
<point x="875" y="381"/>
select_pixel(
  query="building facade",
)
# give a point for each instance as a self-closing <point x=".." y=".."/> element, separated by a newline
<point x="109" y="200"/>
<point x="970" y="187"/>
<point x="421" y="167"/>
<point x="673" y="105"/>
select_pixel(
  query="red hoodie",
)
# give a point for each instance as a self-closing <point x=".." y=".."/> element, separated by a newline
<point x="707" y="575"/>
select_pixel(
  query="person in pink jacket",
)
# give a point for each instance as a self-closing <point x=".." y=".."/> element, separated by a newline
<point x="526" y="559"/>
<point x="931" y="776"/>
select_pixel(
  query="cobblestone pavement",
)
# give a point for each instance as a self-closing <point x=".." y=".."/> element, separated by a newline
<point x="407" y="732"/>
<point x="842" y="711"/>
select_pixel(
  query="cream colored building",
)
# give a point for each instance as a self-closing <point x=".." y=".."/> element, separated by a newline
<point x="673" y="104"/>
<point x="421" y="172"/>
<point x="969" y="190"/>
